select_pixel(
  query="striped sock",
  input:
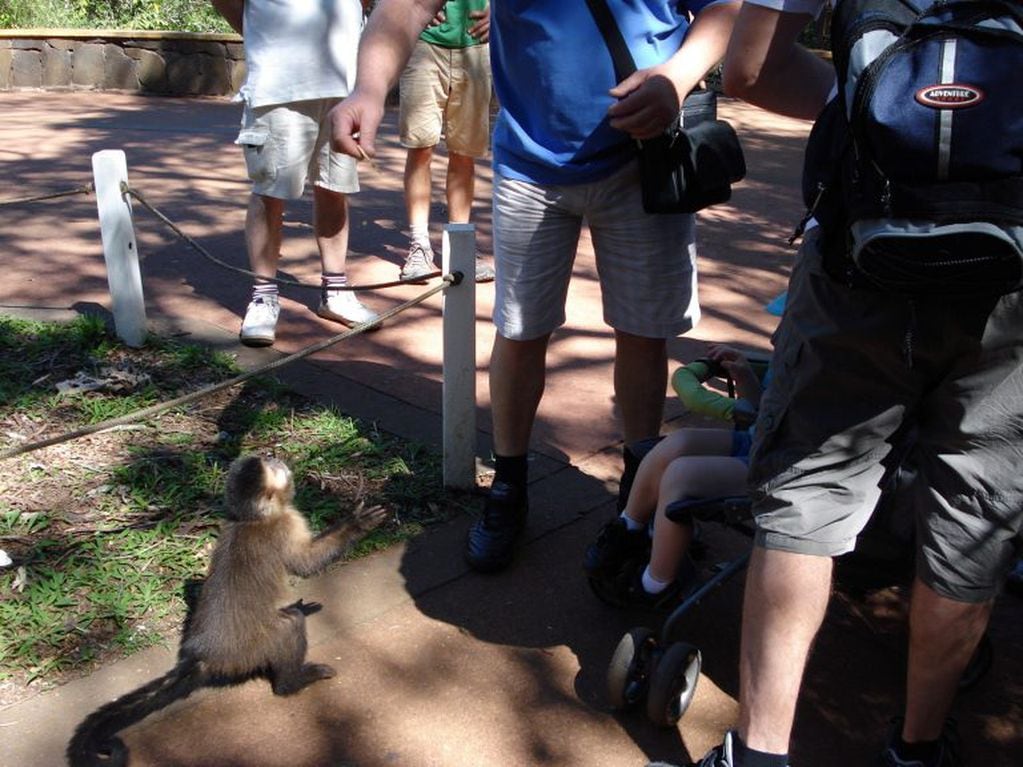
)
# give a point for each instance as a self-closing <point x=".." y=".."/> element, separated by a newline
<point x="332" y="282"/>
<point x="265" y="291"/>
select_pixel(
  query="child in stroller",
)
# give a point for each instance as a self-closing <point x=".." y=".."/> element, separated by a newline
<point x="625" y="564"/>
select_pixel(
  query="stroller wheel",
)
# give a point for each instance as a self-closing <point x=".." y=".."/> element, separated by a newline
<point x="628" y="674"/>
<point x="979" y="664"/>
<point x="673" y="684"/>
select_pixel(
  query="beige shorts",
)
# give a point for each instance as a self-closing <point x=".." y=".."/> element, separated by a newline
<point x="446" y="91"/>
<point x="287" y="144"/>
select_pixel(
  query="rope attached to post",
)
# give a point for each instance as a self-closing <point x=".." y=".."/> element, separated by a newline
<point x="86" y="189"/>
<point x="140" y="415"/>
<point x="279" y="280"/>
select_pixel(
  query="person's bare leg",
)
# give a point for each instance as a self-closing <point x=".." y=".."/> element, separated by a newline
<point x="640" y="382"/>
<point x="460" y="187"/>
<point x="330" y="224"/>
<point x="263" y="222"/>
<point x="517" y="377"/>
<point x="785" y="599"/>
<point x="943" y="635"/>
<point x="517" y="371"/>
<point x="646" y="487"/>
<point x="418" y="183"/>
<point x="691" y="476"/>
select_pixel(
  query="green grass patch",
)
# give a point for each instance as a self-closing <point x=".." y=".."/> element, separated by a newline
<point x="104" y="531"/>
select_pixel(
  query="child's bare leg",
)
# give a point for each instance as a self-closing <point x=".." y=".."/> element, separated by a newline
<point x="647" y="486"/>
<point x="706" y="476"/>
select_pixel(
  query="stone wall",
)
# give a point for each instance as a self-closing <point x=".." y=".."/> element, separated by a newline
<point x="167" y="63"/>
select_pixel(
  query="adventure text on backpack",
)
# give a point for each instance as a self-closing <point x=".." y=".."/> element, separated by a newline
<point x="915" y="171"/>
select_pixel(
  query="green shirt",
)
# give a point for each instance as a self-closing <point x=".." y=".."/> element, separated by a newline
<point x="454" y="32"/>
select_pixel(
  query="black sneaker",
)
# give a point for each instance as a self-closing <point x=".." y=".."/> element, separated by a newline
<point x="491" y="541"/>
<point x="948" y="749"/>
<point x="637" y="596"/>
<point x="719" y="756"/>
<point x="615" y="545"/>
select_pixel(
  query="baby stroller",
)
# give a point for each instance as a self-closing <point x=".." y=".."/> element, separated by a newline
<point x="655" y="670"/>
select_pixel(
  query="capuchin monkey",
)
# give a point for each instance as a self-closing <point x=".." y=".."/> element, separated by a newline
<point x="240" y="627"/>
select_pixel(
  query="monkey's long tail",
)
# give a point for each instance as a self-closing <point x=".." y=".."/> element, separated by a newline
<point x="95" y="742"/>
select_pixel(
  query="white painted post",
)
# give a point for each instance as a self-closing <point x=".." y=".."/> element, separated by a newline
<point x="110" y="171"/>
<point x="459" y="398"/>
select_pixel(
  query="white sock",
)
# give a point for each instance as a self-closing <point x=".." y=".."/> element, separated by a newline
<point x="420" y="233"/>
<point x="632" y="524"/>
<point x="651" y="585"/>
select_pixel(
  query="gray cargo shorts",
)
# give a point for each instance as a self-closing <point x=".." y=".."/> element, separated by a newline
<point x="851" y="368"/>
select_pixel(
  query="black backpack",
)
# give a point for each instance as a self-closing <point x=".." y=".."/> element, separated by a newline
<point x="915" y="170"/>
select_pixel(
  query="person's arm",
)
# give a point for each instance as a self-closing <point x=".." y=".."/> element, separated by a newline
<point x="649" y="99"/>
<point x="232" y="11"/>
<point x="480" y="29"/>
<point x="385" y="48"/>
<point x="766" y="66"/>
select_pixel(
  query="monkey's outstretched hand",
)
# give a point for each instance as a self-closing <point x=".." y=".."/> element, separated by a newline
<point x="356" y="525"/>
<point x="366" y="520"/>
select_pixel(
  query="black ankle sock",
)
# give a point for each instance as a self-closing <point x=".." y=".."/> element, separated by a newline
<point x="925" y="751"/>
<point x="748" y="757"/>
<point x="511" y="469"/>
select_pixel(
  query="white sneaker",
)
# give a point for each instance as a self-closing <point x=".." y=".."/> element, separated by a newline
<point x="484" y="272"/>
<point x="260" y="322"/>
<point x="342" y="306"/>
<point x="418" y="262"/>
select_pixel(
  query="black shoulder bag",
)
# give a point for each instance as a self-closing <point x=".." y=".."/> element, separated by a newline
<point x="694" y="163"/>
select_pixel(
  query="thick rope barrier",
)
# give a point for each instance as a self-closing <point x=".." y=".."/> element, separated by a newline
<point x="86" y="189"/>
<point x="231" y="267"/>
<point x="141" y="415"/>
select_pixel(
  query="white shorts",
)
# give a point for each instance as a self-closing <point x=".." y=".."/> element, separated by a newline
<point x="287" y="144"/>
<point x="646" y="263"/>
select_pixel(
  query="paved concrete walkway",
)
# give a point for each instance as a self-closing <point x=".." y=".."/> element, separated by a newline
<point x="438" y="666"/>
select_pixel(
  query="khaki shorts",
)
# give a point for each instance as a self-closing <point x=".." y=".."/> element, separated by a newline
<point x="446" y="91"/>
<point x="853" y="369"/>
<point x="287" y="144"/>
<point x="646" y="264"/>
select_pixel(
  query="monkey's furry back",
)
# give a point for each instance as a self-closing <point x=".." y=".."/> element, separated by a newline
<point x="233" y="627"/>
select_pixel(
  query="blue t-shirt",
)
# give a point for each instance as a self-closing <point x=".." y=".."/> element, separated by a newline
<point x="552" y="71"/>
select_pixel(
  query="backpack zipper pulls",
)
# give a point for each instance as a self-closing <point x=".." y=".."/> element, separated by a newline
<point x="801" y="226"/>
